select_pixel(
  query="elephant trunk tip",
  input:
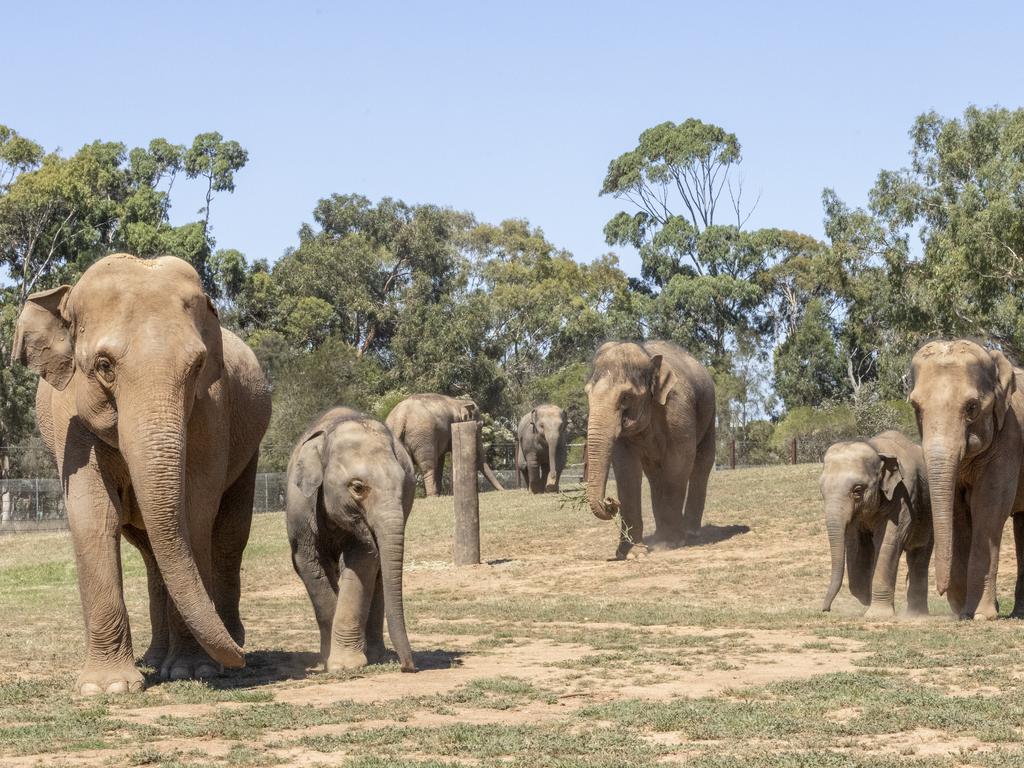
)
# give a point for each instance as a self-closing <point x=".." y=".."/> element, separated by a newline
<point x="606" y="509"/>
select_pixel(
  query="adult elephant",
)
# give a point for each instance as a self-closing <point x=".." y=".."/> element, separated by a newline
<point x="652" y="412"/>
<point x="350" y="491"/>
<point x="423" y="424"/>
<point x="543" y="447"/>
<point x="970" y="411"/>
<point x="154" y="414"/>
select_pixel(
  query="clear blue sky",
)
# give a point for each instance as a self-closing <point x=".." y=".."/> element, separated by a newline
<point x="506" y="111"/>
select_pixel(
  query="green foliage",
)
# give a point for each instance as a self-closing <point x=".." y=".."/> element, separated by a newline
<point x="808" y="368"/>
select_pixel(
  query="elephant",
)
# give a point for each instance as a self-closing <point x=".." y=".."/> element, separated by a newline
<point x="350" y="490"/>
<point x="876" y="508"/>
<point x="969" y="405"/>
<point x="423" y="424"/>
<point x="543" y="448"/>
<point x="652" y="412"/>
<point x="154" y="416"/>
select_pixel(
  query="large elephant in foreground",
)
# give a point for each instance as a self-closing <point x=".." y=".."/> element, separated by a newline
<point x="423" y="424"/>
<point x="970" y="411"/>
<point x="543" y="447"/>
<point x="350" y="490"/>
<point x="877" y="508"/>
<point x="154" y="414"/>
<point x="652" y="412"/>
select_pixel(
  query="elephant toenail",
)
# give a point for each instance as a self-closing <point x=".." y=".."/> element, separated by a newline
<point x="118" y="687"/>
<point x="90" y="689"/>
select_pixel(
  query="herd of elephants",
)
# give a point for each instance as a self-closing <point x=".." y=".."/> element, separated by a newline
<point x="154" y="414"/>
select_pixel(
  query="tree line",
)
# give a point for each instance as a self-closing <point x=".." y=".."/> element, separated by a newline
<point x="380" y="299"/>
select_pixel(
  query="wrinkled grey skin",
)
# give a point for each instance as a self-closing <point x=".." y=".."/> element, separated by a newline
<point x="969" y="403"/>
<point x="154" y="416"/>
<point x="423" y="424"/>
<point x="876" y="508"/>
<point x="543" y="448"/>
<point x="652" y="412"/>
<point x="349" y="494"/>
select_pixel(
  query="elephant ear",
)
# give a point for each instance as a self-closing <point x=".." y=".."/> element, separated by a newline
<point x="891" y="475"/>
<point x="214" y="341"/>
<point x="663" y="378"/>
<point x="308" y="471"/>
<point x="1005" y="385"/>
<point x="533" y="419"/>
<point x="43" y="338"/>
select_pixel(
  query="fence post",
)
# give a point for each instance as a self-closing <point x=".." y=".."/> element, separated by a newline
<point x="732" y="453"/>
<point x="38" y="515"/>
<point x="464" y="488"/>
<point x="792" y="459"/>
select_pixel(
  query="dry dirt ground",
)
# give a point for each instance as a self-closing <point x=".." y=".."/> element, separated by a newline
<point x="549" y="654"/>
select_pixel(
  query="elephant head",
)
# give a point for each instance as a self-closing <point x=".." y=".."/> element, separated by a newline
<point x="138" y="344"/>
<point x="549" y="423"/>
<point x="625" y="388"/>
<point x="367" y="484"/>
<point x="961" y="394"/>
<point x="854" y="482"/>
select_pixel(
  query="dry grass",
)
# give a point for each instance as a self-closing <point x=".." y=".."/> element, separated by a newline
<point x="549" y="654"/>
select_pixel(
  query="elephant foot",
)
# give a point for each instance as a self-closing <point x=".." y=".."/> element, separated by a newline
<point x="880" y="612"/>
<point x="376" y="652"/>
<point x="628" y="551"/>
<point x="346" y="658"/>
<point x="110" y="680"/>
<point x="189" y="666"/>
<point x="154" y="655"/>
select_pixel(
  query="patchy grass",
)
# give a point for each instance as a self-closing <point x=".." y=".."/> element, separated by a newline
<point x="549" y="654"/>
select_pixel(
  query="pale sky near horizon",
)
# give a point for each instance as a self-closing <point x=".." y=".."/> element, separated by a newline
<point x="509" y="111"/>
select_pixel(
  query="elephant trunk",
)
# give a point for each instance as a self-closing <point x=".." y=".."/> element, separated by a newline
<point x="152" y="441"/>
<point x="942" y="462"/>
<point x="484" y="466"/>
<point x="600" y="441"/>
<point x="837" y="518"/>
<point x="390" y="536"/>
<point x="552" y="478"/>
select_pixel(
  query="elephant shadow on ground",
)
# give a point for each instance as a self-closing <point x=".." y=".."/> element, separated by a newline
<point x="275" y="666"/>
<point x="708" y="534"/>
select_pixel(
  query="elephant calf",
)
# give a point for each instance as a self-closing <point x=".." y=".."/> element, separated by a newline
<point x="350" y="491"/>
<point x="876" y="508"/>
<point x="543" y="448"/>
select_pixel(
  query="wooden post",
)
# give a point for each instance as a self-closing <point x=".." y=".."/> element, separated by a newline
<point x="732" y="454"/>
<point x="464" y="487"/>
<point x="793" y="452"/>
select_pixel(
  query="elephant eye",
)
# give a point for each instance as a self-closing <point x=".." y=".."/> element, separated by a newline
<point x="105" y="368"/>
<point x="858" y="491"/>
<point x="971" y="410"/>
<point x="359" y="488"/>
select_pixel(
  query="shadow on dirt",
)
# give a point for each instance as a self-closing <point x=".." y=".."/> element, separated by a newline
<point x="708" y="534"/>
<point x="274" y="666"/>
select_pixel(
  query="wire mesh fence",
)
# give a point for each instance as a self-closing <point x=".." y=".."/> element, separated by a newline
<point x="37" y="504"/>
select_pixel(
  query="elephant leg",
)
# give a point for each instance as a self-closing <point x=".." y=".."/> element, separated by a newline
<point x="428" y="464"/>
<point x="230" y="535"/>
<point x="917" y="580"/>
<point x="886" y="556"/>
<point x="355" y="593"/>
<point x="1018" y="542"/>
<point x="159" y="634"/>
<point x="697" y="487"/>
<point x="628" y="479"/>
<point x="860" y="555"/>
<point x="375" y="651"/>
<point x="667" y="492"/>
<point x="983" y="567"/>
<point x="956" y="593"/>
<point x="93" y="516"/>
<point x="533" y="474"/>
<point x="319" y="572"/>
